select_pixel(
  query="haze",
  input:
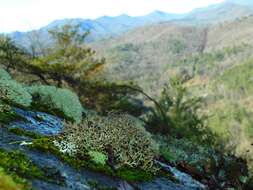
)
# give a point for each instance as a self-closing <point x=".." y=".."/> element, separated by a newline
<point x="23" y="15"/>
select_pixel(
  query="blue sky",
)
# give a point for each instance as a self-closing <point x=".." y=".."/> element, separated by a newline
<point x="23" y="15"/>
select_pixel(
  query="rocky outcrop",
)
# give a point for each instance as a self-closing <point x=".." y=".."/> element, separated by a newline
<point x="61" y="176"/>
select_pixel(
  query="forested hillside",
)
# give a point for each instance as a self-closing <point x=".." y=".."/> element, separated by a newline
<point x="215" y="61"/>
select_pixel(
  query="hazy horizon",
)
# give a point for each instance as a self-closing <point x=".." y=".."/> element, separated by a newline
<point x="25" y="15"/>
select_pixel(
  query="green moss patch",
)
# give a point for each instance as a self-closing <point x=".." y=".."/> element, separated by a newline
<point x="19" y="167"/>
<point x="129" y="174"/>
<point x="7" y="183"/>
<point x="22" y="132"/>
<point x="94" y="185"/>
<point x="6" y="113"/>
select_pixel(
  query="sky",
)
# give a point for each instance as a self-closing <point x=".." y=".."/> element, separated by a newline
<point x="24" y="15"/>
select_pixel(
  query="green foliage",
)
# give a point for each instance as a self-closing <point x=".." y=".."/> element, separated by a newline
<point x="57" y="101"/>
<point x="239" y="78"/>
<point x="233" y="123"/>
<point x="106" y="97"/>
<point x="122" y="137"/>
<point x="126" y="105"/>
<point x="176" y="46"/>
<point x="181" y="109"/>
<point x="4" y="75"/>
<point x="69" y="58"/>
<point x="227" y="116"/>
<point x="206" y="160"/>
<point x="182" y="117"/>
<point x="98" y="157"/>
<point x="14" y="93"/>
<point x="167" y="154"/>
<point x="209" y="63"/>
<point x="178" y="150"/>
<point x="125" y="54"/>
<point x="231" y="109"/>
<point x="10" y="54"/>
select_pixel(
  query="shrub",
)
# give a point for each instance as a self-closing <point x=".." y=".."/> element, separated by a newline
<point x="206" y="161"/>
<point x="128" y="105"/>
<point x="4" y="75"/>
<point x="14" y="93"/>
<point x="61" y="102"/>
<point x="122" y="137"/>
<point x="181" y="114"/>
<point x="178" y="150"/>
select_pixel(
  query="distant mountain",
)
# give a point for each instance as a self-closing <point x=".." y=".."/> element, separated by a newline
<point x="103" y="27"/>
<point x="241" y="2"/>
<point x="226" y="11"/>
<point x="106" y="26"/>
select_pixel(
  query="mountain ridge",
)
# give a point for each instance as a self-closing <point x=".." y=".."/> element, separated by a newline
<point x="107" y="26"/>
<point x="100" y="28"/>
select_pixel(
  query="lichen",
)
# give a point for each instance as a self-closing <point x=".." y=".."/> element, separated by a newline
<point x="61" y="102"/>
<point x="122" y="137"/>
<point x="14" y="93"/>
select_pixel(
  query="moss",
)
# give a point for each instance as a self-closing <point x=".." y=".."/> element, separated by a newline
<point x="6" y="116"/>
<point x="96" y="186"/>
<point x="46" y="145"/>
<point x="19" y="167"/>
<point x="98" y="157"/>
<point x="7" y="183"/>
<point x="130" y="174"/>
<point x="22" y="132"/>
